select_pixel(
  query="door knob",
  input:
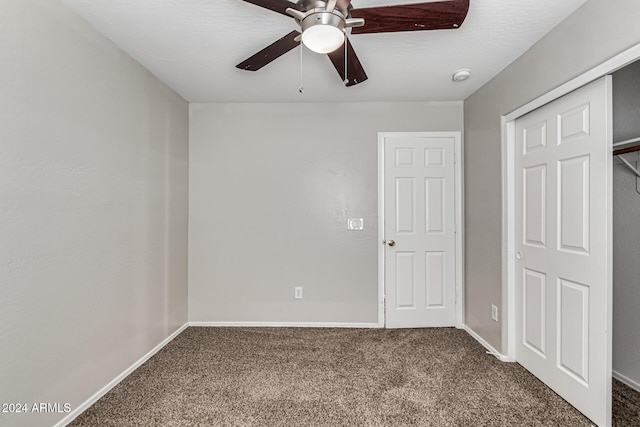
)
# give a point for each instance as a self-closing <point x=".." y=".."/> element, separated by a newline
<point x="392" y="243"/>
<point x="519" y="255"/>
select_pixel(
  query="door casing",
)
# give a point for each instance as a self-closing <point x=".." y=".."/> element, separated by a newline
<point x="459" y="210"/>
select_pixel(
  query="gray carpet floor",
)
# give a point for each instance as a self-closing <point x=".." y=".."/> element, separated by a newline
<point x="335" y="377"/>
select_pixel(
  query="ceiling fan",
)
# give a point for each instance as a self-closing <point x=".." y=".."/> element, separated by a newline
<point x="323" y="26"/>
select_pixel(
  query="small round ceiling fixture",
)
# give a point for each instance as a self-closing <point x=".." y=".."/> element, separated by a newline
<point x="461" y="75"/>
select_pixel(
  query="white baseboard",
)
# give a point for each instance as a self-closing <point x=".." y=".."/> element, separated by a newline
<point x="628" y="381"/>
<point x="104" y="390"/>
<point x="285" y="325"/>
<point x="488" y="346"/>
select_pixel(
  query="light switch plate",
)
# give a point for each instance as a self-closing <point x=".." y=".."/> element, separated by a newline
<point x="355" y="224"/>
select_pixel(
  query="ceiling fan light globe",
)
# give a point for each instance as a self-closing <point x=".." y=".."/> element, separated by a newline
<point x="323" y="38"/>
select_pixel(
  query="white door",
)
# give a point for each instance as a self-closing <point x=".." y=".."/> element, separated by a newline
<point x="419" y="230"/>
<point x="563" y="268"/>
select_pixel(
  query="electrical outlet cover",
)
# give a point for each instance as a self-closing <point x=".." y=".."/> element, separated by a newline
<point x="356" y="224"/>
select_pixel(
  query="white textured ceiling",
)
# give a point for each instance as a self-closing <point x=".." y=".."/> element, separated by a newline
<point x="194" y="45"/>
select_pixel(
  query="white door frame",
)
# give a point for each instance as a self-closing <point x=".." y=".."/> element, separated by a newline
<point x="508" y="139"/>
<point x="458" y="185"/>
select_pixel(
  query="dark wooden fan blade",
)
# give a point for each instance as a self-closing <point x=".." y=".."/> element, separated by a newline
<point x="355" y="72"/>
<point x="440" y="15"/>
<point x="279" y="6"/>
<point x="270" y="53"/>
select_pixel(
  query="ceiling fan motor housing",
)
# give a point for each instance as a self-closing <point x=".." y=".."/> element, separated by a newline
<point x="322" y="17"/>
<point x="308" y="5"/>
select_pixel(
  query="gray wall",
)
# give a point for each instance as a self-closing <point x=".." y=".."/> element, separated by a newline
<point x="626" y="103"/>
<point x="93" y="209"/>
<point x="594" y="33"/>
<point x="626" y="228"/>
<point x="271" y="187"/>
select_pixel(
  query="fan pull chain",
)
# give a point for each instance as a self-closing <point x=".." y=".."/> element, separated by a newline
<point x="346" y="80"/>
<point x="301" y="88"/>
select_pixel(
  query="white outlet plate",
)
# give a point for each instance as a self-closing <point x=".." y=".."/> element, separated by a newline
<point x="297" y="294"/>
<point x="494" y="312"/>
<point x="356" y="224"/>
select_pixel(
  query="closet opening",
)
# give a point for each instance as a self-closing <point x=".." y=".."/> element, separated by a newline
<point x="626" y="234"/>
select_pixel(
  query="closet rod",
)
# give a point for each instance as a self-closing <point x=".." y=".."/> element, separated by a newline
<point x="626" y="150"/>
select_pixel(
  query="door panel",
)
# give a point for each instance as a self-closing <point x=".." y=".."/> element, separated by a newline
<point x="534" y="304"/>
<point x="435" y="265"/>
<point x="405" y="205"/>
<point x="535" y="137"/>
<point x="573" y="329"/>
<point x="573" y="200"/>
<point x="574" y="124"/>
<point x="435" y="205"/>
<point x="406" y="289"/>
<point x="563" y="280"/>
<point x="419" y="218"/>
<point x="535" y="205"/>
